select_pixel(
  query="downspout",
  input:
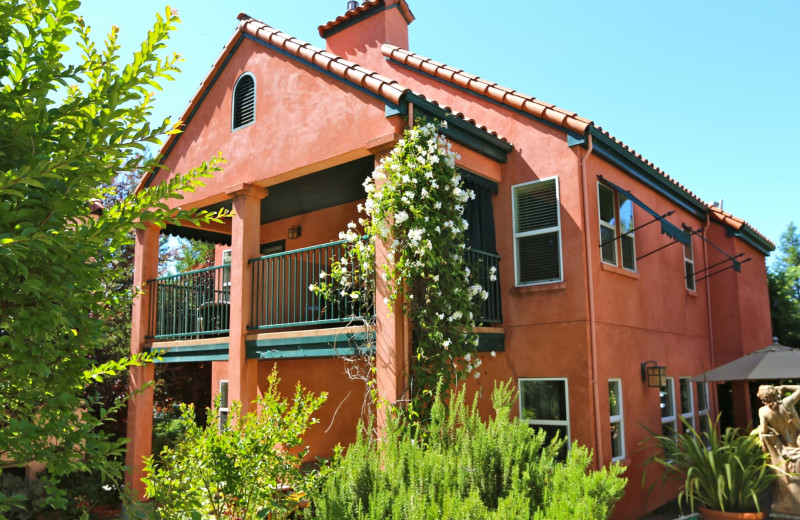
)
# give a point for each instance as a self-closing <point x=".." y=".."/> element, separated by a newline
<point x="708" y="309"/>
<point x="590" y="294"/>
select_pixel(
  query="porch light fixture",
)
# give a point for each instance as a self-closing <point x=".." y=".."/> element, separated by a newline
<point x="654" y="375"/>
<point x="295" y="231"/>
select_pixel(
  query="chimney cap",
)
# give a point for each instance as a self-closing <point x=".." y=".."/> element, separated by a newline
<point x="351" y="4"/>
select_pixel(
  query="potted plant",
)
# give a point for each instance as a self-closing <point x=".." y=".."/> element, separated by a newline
<point x="725" y="475"/>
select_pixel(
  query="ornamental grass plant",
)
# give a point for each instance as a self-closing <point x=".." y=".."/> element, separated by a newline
<point x="461" y="467"/>
<point x="725" y="472"/>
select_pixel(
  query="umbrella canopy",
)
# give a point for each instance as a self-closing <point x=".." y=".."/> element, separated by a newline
<point x="773" y="362"/>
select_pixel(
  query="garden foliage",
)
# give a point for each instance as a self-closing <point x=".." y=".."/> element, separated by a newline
<point x="247" y="469"/>
<point x="67" y="130"/>
<point x="725" y="472"/>
<point x="461" y="467"/>
<point x="415" y="205"/>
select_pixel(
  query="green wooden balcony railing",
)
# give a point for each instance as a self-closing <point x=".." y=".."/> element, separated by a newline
<point x="196" y="304"/>
<point x="190" y="305"/>
<point x="281" y="295"/>
<point x="485" y="269"/>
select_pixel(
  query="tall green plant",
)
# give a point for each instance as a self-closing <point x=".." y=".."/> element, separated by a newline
<point x="242" y="470"/>
<point x="464" y="467"/>
<point x="727" y="472"/>
<point x="415" y="204"/>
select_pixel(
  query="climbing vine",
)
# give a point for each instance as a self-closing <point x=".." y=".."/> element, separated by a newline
<point x="415" y="205"/>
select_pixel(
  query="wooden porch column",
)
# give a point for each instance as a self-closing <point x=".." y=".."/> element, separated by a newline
<point x="140" y="406"/>
<point x="245" y="240"/>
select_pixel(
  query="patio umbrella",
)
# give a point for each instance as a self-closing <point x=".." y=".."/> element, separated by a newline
<point x="773" y="362"/>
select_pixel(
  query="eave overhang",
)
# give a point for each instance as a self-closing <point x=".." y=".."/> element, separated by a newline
<point x="458" y="129"/>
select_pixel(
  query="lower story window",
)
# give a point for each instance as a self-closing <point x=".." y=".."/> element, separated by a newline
<point x="544" y="403"/>
<point x="702" y="410"/>
<point x="687" y="402"/>
<point x="615" y="418"/>
<point x="669" y="423"/>
<point x="223" y="404"/>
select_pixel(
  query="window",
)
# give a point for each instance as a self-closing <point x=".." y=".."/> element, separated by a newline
<point x="688" y="264"/>
<point x="668" y="419"/>
<point x="544" y="403"/>
<point x="272" y="248"/>
<point x="537" y="232"/>
<point x="615" y="416"/>
<point x="687" y="401"/>
<point x="616" y="228"/>
<point x="702" y="409"/>
<point x="223" y="404"/>
<point x="226" y="273"/>
<point x="244" y="102"/>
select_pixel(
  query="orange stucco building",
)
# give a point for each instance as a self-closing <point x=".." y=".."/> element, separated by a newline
<point x="607" y="266"/>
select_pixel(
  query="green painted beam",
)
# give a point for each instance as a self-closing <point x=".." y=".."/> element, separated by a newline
<point x="191" y="353"/>
<point x="491" y="341"/>
<point x="327" y="346"/>
<point x="458" y="129"/>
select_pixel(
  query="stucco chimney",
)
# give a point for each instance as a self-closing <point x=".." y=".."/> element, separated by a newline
<point x="359" y="33"/>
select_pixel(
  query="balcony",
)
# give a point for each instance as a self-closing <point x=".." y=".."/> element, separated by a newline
<point x="196" y="304"/>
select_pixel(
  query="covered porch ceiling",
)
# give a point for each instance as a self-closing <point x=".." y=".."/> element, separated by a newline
<point x="323" y="189"/>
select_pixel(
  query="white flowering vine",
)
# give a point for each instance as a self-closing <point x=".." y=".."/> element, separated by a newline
<point x="415" y="204"/>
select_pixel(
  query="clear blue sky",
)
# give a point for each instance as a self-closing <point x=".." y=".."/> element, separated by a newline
<point x="707" y="90"/>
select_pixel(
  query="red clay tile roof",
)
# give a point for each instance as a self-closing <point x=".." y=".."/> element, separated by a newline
<point x="512" y="98"/>
<point x="363" y="8"/>
<point x="735" y="222"/>
<point x="653" y="166"/>
<point x="372" y="81"/>
<point x="538" y="108"/>
<point x="385" y="87"/>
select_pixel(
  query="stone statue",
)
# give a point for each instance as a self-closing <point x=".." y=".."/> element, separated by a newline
<point x="779" y="429"/>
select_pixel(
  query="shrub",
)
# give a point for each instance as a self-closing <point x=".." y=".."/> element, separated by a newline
<point x="728" y="472"/>
<point x="241" y="471"/>
<point x="463" y="467"/>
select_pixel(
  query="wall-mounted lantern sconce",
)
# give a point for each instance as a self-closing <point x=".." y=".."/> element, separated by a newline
<point x="655" y="375"/>
<point x="295" y="231"/>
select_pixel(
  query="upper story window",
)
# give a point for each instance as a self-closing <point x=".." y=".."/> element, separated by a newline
<point x="616" y="228"/>
<point x="688" y="264"/>
<point x="244" y="102"/>
<point x="537" y="232"/>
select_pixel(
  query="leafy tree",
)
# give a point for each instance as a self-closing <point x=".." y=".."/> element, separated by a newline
<point x="193" y="254"/>
<point x="784" y="289"/>
<point x="66" y="131"/>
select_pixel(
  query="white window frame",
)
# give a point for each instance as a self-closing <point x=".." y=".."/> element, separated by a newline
<point x="687" y="260"/>
<point x="226" y="253"/>
<point x="547" y="422"/>
<point x="702" y="407"/>
<point x="233" y="101"/>
<point x="670" y="419"/>
<point x="223" y="407"/>
<point x="607" y="225"/>
<point x="524" y="234"/>
<point x="616" y="228"/>
<point x="688" y="415"/>
<point x="617" y="419"/>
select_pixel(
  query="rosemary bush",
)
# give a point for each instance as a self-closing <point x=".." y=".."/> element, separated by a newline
<point x="463" y="467"/>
